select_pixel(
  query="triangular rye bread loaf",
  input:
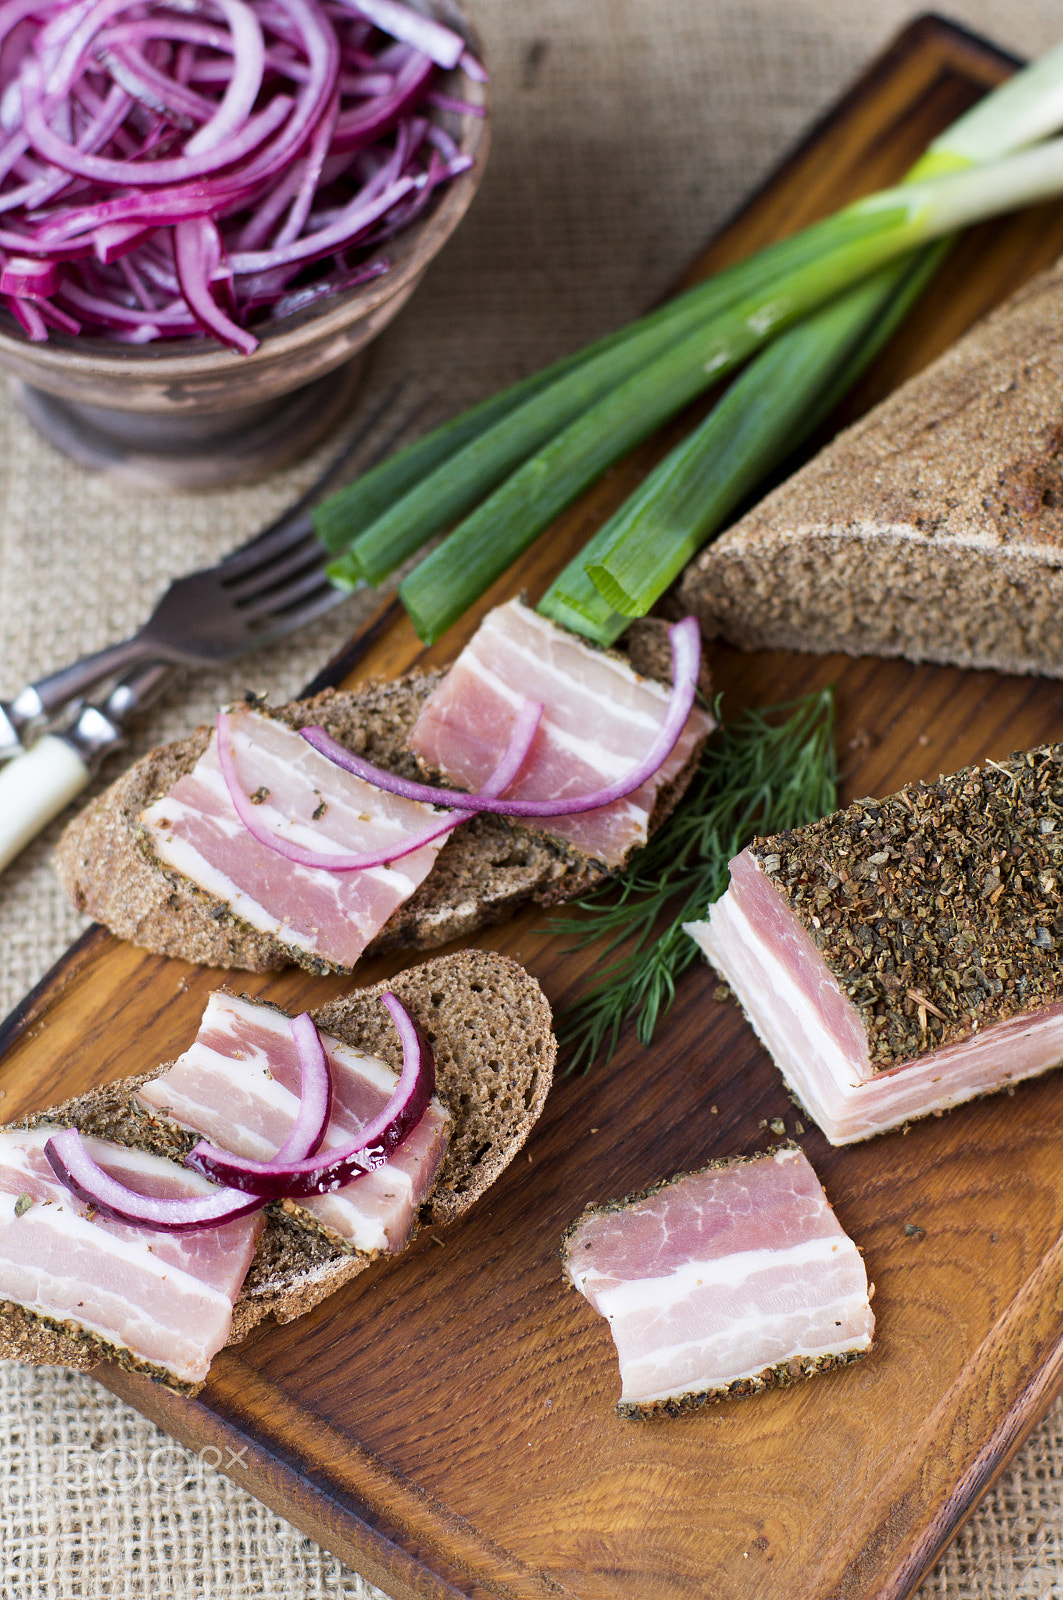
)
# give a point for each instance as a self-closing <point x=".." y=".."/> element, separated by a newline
<point x="932" y="528"/>
<point x="489" y="1024"/>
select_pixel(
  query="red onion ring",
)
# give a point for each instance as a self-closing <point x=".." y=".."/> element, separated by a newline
<point x="315" y="1092"/>
<point x="525" y="726"/>
<point x="685" y="639"/>
<point x="442" y="45"/>
<point x="283" y="1179"/>
<point x="69" y="1158"/>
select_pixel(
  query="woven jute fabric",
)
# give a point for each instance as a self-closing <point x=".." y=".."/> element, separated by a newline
<point x="624" y="133"/>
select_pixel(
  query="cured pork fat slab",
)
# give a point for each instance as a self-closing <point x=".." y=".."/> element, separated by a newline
<point x="163" y="1299"/>
<point x="904" y="955"/>
<point x="722" y="1283"/>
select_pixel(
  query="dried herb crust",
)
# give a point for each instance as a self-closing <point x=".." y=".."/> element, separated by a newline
<point x="777" y="1377"/>
<point x="490" y="1027"/>
<point x="939" y="910"/>
<point x="485" y="872"/>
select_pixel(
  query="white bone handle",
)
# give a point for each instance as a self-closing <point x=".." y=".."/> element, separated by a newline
<point x="34" y="788"/>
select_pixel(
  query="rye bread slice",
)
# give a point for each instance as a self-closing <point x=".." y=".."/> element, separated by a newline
<point x="489" y="1024"/>
<point x="931" y="529"/>
<point x="486" y="870"/>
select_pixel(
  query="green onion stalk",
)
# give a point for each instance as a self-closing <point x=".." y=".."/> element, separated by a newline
<point x="783" y="394"/>
<point x="842" y="250"/>
<point x="385" y="517"/>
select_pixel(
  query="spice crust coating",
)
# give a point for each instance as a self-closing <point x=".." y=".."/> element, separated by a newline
<point x="939" y="910"/>
<point x="777" y="1377"/>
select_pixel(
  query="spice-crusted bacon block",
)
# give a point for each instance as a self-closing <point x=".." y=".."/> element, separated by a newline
<point x="722" y="1283"/>
<point x="905" y="954"/>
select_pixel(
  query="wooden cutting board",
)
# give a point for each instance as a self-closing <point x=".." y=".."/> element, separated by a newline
<point x="445" y="1424"/>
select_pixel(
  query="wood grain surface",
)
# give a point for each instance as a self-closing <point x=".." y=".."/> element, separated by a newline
<point x="445" y="1424"/>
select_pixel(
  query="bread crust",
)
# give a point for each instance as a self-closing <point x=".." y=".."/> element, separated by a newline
<point x="490" y="1027"/>
<point x="486" y="871"/>
<point x="931" y="529"/>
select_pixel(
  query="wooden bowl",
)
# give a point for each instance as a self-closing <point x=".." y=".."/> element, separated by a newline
<point x="187" y="414"/>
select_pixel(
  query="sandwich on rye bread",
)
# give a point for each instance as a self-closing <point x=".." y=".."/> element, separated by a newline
<point x="931" y="529"/>
<point x="180" y="855"/>
<point x="79" y="1285"/>
<point x="904" y="955"/>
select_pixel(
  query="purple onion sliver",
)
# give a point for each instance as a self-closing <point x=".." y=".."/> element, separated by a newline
<point x="84" y="1177"/>
<point x="442" y="45"/>
<point x="315" y="1093"/>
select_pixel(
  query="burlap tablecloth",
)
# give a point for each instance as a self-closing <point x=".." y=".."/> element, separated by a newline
<point x="624" y="134"/>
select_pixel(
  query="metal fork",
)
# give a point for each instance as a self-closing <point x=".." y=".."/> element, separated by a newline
<point x="271" y="586"/>
<point x="274" y="583"/>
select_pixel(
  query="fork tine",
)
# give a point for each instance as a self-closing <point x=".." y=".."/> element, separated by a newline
<point x="297" y="514"/>
<point x="247" y="584"/>
<point x="283" y="600"/>
<point x="272" y="546"/>
<point x="316" y="604"/>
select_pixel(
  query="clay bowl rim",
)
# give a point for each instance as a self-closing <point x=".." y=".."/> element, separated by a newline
<point x="51" y="364"/>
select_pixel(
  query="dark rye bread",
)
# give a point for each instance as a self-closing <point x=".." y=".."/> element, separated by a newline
<point x="932" y="529"/>
<point x="485" y="871"/>
<point x="489" y="1024"/>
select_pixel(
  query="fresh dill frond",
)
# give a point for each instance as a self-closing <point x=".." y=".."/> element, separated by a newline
<point x="759" y="775"/>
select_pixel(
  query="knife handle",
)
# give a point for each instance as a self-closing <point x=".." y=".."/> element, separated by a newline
<point x="34" y="788"/>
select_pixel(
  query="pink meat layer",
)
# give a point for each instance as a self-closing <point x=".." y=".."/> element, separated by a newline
<point x="166" y="1298"/>
<point x="817" y="1037"/>
<point x="308" y="800"/>
<point x="238" y="1085"/>
<point x="721" y="1274"/>
<point x="599" y="719"/>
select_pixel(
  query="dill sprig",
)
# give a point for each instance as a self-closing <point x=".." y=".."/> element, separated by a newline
<point x="759" y="775"/>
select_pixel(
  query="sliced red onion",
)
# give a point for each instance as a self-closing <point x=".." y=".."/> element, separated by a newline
<point x="21" y="275"/>
<point x="442" y="45"/>
<point x="283" y="1178"/>
<point x="449" y="102"/>
<point x="121" y="121"/>
<point x="524" y="729"/>
<point x="354" y="220"/>
<point x="315" y="1093"/>
<point x="685" y="639"/>
<point x="73" y="1166"/>
<point x="197" y="251"/>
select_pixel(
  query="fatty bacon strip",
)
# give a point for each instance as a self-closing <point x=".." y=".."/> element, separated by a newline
<point x="722" y="1282"/>
<point x="599" y="719"/>
<point x="238" y="1086"/>
<point x="164" y="1298"/>
<point x="328" y="916"/>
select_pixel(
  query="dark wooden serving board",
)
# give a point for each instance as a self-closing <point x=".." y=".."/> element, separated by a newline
<point x="445" y="1424"/>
